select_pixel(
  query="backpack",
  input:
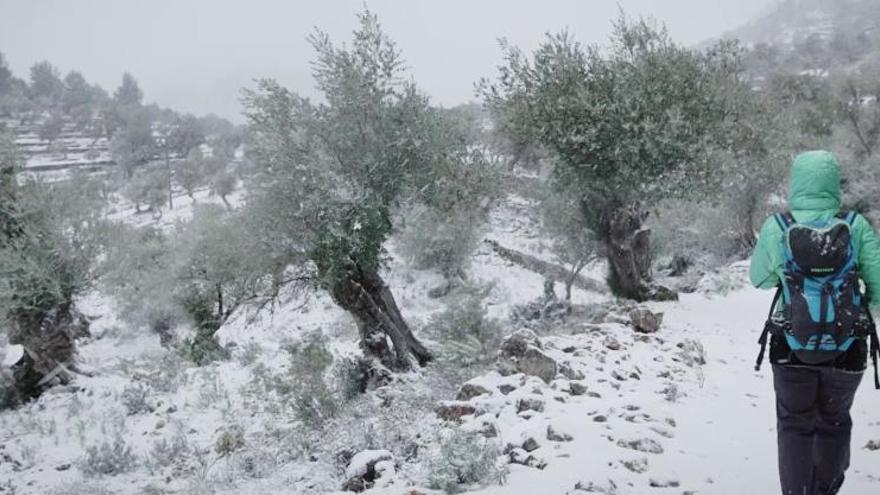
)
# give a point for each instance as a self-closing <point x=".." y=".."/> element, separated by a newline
<point x="824" y="312"/>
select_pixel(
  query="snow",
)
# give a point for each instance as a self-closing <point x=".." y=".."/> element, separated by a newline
<point x="714" y="422"/>
<point x="358" y="465"/>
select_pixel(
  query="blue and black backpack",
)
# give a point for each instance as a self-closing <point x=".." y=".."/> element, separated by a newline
<point x="824" y="312"/>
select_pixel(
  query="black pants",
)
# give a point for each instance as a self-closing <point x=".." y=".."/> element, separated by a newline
<point x="813" y="427"/>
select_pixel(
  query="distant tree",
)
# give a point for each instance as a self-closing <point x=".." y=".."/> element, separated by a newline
<point x="51" y="128"/>
<point x="223" y="184"/>
<point x="444" y="224"/>
<point x="627" y="127"/>
<point x="133" y="145"/>
<point x="77" y="91"/>
<point x="176" y="136"/>
<point x="137" y="270"/>
<point x="191" y="172"/>
<point x="148" y="187"/>
<point x="81" y="101"/>
<point x="512" y="136"/>
<point x="565" y="220"/>
<point x="859" y="112"/>
<point x="332" y="175"/>
<point x="5" y="76"/>
<point x="222" y="136"/>
<point x="809" y="107"/>
<point x="215" y="270"/>
<point x="128" y="93"/>
<point x="46" y="87"/>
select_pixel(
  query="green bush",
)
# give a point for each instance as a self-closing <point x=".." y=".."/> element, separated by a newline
<point x="108" y="458"/>
<point x="464" y="459"/>
<point x="467" y="336"/>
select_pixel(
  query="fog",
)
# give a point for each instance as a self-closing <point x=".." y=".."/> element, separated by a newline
<point x="196" y="55"/>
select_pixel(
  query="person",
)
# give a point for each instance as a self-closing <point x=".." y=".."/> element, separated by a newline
<point x="813" y="401"/>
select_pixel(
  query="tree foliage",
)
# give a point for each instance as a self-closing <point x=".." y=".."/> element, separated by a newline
<point x="627" y="127"/>
<point x="331" y="176"/>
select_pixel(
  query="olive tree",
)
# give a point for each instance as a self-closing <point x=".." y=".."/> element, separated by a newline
<point x="626" y="127"/>
<point x="331" y="176"/>
<point x="176" y="136"/>
<point x="47" y="248"/>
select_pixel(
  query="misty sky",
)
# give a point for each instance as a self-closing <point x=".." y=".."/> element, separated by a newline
<point x="195" y="55"/>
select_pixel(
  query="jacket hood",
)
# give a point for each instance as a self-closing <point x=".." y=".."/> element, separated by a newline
<point x="815" y="182"/>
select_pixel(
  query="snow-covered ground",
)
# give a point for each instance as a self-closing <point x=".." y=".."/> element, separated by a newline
<point x="631" y="413"/>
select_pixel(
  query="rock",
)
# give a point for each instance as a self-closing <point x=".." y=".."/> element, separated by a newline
<point x="488" y="430"/>
<point x="454" y="410"/>
<point x="535" y="363"/>
<point x="612" y="343"/>
<point x="530" y="445"/>
<point x="62" y="467"/>
<point x="515" y="455"/>
<point x="662" y="432"/>
<point x="587" y="328"/>
<point x="639" y="465"/>
<point x="599" y="418"/>
<point x="506" y="388"/>
<point x="529" y="404"/>
<point x="691" y="353"/>
<point x="522" y="352"/>
<point x="591" y="487"/>
<point x="442" y="290"/>
<point x="516" y="344"/>
<point x="577" y="388"/>
<point x="470" y="390"/>
<point x="572" y="374"/>
<point x="556" y="436"/>
<point x="873" y="445"/>
<point x="655" y="483"/>
<point x="648" y="445"/>
<point x="617" y="375"/>
<point x="365" y="468"/>
<point x="644" y="320"/>
<point x="520" y="456"/>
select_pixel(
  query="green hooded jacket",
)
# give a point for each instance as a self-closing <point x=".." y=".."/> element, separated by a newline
<point x="815" y="195"/>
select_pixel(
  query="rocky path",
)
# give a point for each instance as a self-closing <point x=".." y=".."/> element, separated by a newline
<point x="611" y="410"/>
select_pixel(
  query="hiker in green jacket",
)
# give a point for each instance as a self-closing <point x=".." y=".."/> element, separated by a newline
<point x="814" y="397"/>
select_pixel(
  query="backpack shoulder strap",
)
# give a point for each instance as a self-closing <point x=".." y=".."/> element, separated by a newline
<point x="762" y="341"/>
<point x="848" y="216"/>
<point x="784" y="220"/>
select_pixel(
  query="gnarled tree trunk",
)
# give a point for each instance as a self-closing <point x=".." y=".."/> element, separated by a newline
<point x="49" y="350"/>
<point x="384" y="334"/>
<point x="627" y="245"/>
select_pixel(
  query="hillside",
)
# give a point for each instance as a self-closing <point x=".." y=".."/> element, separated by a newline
<point x="795" y="22"/>
<point x="626" y="413"/>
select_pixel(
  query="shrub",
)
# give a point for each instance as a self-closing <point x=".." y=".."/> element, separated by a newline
<point x="165" y="452"/>
<point x="249" y="354"/>
<point x="135" y="398"/>
<point x="467" y="336"/>
<point x="230" y="440"/>
<point x="543" y="314"/>
<point x="464" y="459"/>
<point x="311" y="397"/>
<point x="314" y="385"/>
<point x="441" y="240"/>
<point x="108" y="458"/>
<point x="81" y="488"/>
